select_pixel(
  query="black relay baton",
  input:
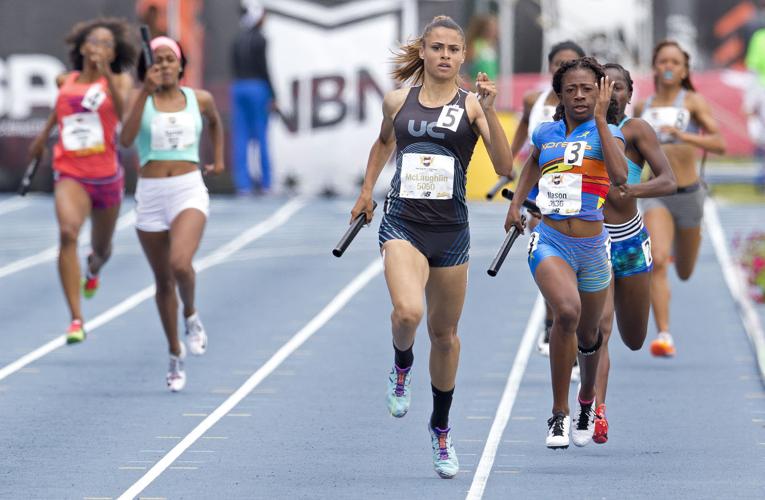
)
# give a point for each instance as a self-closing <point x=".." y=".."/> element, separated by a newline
<point x="510" y="238"/>
<point x="530" y="205"/>
<point x="351" y="233"/>
<point x="495" y="189"/>
<point x="148" y="55"/>
<point x="29" y="173"/>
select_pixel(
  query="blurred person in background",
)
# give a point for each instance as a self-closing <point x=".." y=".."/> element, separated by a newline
<point x="89" y="181"/>
<point x="482" y="54"/>
<point x="252" y="98"/>
<point x="172" y="203"/>
<point x="683" y="121"/>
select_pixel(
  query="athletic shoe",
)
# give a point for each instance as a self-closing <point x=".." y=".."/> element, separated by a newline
<point x="89" y="286"/>
<point x="445" y="460"/>
<point x="575" y="373"/>
<point x="176" y="376"/>
<point x="663" y="346"/>
<point x="557" y="431"/>
<point x="584" y="424"/>
<point x="600" y="435"/>
<point x="76" y="332"/>
<point x="543" y="341"/>
<point x="399" y="393"/>
<point x="196" y="337"/>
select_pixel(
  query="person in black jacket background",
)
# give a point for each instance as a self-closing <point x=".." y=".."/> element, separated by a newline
<point x="252" y="96"/>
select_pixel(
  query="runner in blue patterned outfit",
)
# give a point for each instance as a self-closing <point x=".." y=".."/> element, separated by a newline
<point x="575" y="159"/>
<point x="424" y="237"/>
<point x="631" y="258"/>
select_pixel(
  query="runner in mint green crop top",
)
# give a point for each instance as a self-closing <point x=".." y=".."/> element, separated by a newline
<point x="170" y="136"/>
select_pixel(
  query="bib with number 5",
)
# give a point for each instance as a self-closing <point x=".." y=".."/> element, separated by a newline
<point x="450" y="117"/>
<point x="172" y="131"/>
<point x="560" y="193"/>
<point x="427" y="176"/>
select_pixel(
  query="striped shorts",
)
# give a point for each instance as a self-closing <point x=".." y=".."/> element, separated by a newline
<point x="443" y="246"/>
<point x="630" y="248"/>
<point x="589" y="257"/>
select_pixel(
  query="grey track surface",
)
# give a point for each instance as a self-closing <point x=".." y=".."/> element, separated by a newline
<point x="88" y="420"/>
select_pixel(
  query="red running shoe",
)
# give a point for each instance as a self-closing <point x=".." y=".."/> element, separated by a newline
<point x="600" y="435"/>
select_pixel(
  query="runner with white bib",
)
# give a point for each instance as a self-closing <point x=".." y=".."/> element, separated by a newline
<point x="575" y="159"/>
<point x="424" y="238"/>
<point x="89" y="181"/>
<point x="172" y="202"/>
<point x="683" y="120"/>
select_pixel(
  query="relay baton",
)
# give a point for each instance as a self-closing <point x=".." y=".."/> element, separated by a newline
<point x="351" y="233"/>
<point x="29" y="173"/>
<point x="495" y="189"/>
<point x="530" y="205"/>
<point x="510" y="238"/>
<point x="148" y="55"/>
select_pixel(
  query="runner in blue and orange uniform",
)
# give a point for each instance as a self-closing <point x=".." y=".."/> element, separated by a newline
<point x="574" y="159"/>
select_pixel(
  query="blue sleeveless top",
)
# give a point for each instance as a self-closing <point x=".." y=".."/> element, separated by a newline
<point x="574" y="181"/>
<point x="633" y="169"/>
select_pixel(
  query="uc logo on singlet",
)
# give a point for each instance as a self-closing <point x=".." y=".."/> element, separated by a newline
<point x="425" y="128"/>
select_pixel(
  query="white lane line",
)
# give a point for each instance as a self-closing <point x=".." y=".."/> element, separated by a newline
<point x="505" y="407"/>
<point x="125" y="220"/>
<point x="13" y="204"/>
<point x="334" y="306"/>
<point x="736" y="284"/>
<point x="220" y="255"/>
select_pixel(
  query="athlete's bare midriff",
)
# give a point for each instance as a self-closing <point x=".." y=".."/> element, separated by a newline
<point x="165" y="168"/>
<point x="576" y="228"/>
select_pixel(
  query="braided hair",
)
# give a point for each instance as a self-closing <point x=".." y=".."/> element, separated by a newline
<point x="589" y="63"/>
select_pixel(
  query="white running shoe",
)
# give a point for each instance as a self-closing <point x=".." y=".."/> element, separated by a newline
<point x="584" y="423"/>
<point x="557" y="431"/>
<point x="196" y="337"/>
<point x="176" y="376"/>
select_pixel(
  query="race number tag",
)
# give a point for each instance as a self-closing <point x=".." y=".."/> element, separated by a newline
<point x="667" y="116"/>
<point x="450" y="117"/>
<point x="82" y="133"/>
<point x="574" y="154"/>
<point x="647" y="252"/>
<point x="94" y="97"/>
<point x="560" y="193"/>
<point x="172" y="131"/>
<point x="427" y="177"/>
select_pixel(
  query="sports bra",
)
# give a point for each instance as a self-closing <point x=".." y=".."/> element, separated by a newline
<point x="676" y="115"/>
<point x="172" y="136"/>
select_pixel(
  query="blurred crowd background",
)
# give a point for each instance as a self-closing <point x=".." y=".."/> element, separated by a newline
<point x="328" y="66"/>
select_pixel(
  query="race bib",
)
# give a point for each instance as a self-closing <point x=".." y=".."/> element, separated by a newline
<point x="560" y="193"/>
<point x="667" y="116"/>
<point x="427" y="177"/>
<point x="574" y="154"/>
<point x="647" y="252"/>
<point x="82" y="133"/>
<point x="94" y="97"/>
<point x="172" y="131"/>
<point x="450" y="117"/>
